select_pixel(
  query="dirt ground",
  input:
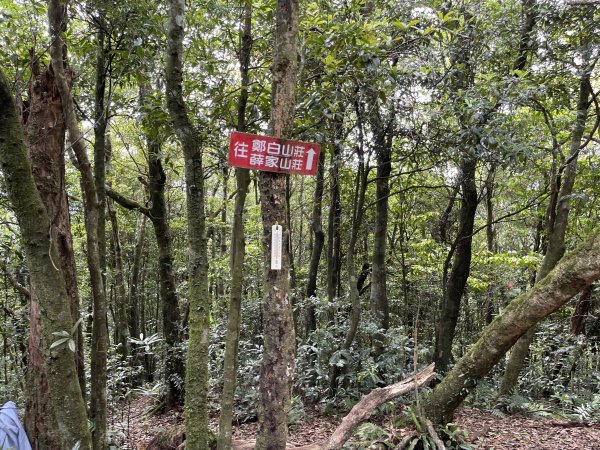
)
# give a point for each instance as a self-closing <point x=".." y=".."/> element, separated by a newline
<point x="134" y="430"/>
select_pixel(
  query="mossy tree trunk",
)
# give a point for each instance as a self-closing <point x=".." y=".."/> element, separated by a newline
<point x="574" y="273"/>
<point x="65" y="397"/>
<point x="278" y="365"/>
<point x="99" y="351"/>
<point x="196" y="375"/>
<point x="238" y="248"/>
<point x="44" y="128"/>
<point x="171" y="317"/>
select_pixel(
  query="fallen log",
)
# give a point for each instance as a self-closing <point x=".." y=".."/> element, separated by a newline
<point x="365" y="407"/>
<point x="359" y="413"/>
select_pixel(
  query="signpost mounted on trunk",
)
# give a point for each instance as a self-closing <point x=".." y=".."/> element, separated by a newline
<point x="269" y="154"/>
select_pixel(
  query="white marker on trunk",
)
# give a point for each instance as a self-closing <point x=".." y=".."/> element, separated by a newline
<point x="276" y="246"/>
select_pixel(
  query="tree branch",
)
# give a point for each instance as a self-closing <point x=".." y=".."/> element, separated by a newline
<point x="126" y="202"/>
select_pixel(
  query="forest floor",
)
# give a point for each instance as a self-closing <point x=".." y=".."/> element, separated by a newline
<point x="134" y="429"/>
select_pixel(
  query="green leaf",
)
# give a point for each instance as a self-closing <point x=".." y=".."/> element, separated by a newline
<point x="74" y="329"/>
<point x="59" y="342"/>
<point x="62" y="333"/>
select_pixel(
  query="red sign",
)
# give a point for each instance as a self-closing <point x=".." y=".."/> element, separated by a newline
<point x="272" y="155"/>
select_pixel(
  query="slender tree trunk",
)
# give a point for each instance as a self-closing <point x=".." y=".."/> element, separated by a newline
<point x="171" y="317"/>
<point x="334" y="220"/>
<point x="582" y="309"/>
<point x="362" y="177"/>
<point x="135" y="293"/>
<point x="100" y="139"/>
<point x="557" y="229"/>
<point x="196" y="375"/>
<point x="65" y="395"/>
<point x="278" y="365"/>
<point x="56" y="15"/>
<point x="573" y="273"/>
<point x="489" y="307"/>
<point x="461" y="267"/>
<point x="120" y="303"/>
<point x="317" y="248"/>
<point x="379" y="298"/>
<point x="238" y="249"/>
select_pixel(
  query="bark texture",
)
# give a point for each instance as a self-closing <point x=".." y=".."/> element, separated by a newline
<point x="196" y="374"/>
<point x="64" y="391"/>
<point x="171" y="317"/>
<point x="44" y="127"/>
<point x="574" y="273"/>
<point x="278" y="365"/>
<point x="238" y="249"/>
<point x="56" y="18"/>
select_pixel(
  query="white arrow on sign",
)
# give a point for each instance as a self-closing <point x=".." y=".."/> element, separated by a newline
<point x="309" y="158"/>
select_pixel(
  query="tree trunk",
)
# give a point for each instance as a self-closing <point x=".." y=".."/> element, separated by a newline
<point x="238" y="249"/>
<point x="171" y="317"/>
<point x="65" y="395"/>
<point x="379" y="298"/>
<point x="582" y="309"/>
<point x="56" y="15"/>
<point x="574" y="273"/>
<point x="557" y="229"/>
<point x="362" y="177"/>
<point x="278" y="365"/>
<point x="461" y="267"/>
<point x="44" y="128"/>
<point x="120" y="300"/>
<point x="334" y="220"/>
<point x="196" y="375"/>
<point x="317" y="248"/>
<point x="135" y="296"/>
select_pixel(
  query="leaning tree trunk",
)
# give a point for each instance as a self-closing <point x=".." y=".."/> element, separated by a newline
<point x="557" y="229"/>
<point x="99" y="351"/>
<point x="278" y="365"/>
<point x="574" y="273"/>
<point x="196" y="374"/>
<point x="238" y="249"/>
<point x="65" y="395"/>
